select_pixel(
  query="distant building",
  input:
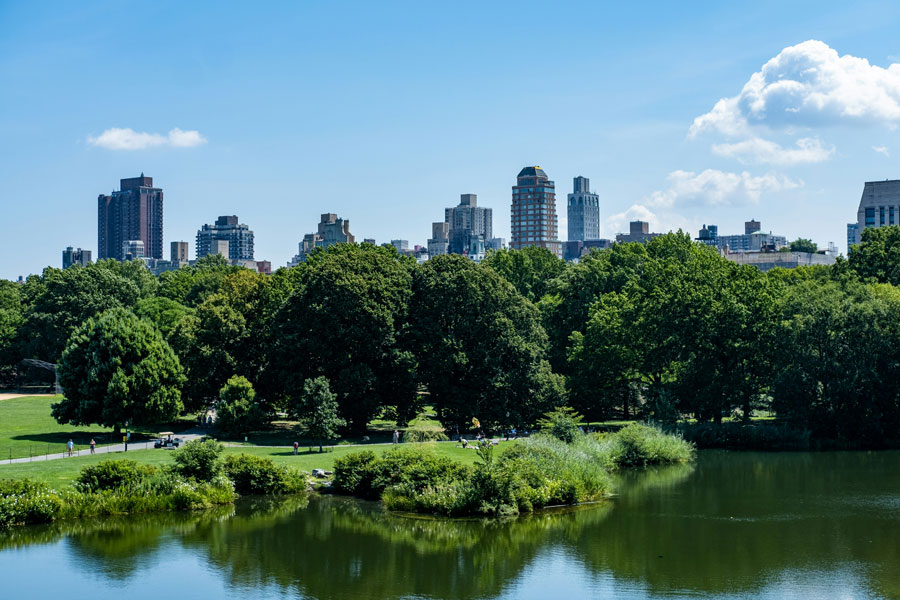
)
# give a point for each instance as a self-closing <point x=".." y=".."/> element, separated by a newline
<point x="752" y="240"/>
<point x="533" y="220"/>
<point x="751" y="226"/>
<point x="264" y="267"/>
<point x="573" y="250"/>
<point x="709" y="235"/>
<point x="220" y="247"/>
<point x="469" y="226"/>
<point x="178" y="254"/>
<point x="638" y="231"/>
<point x="369" y="241"/>
<point x="331" y="231"/>
<point x="439" y="242"/>
<point x="400" y="245"/>
<point x="226" y="228"/>
<point x="852" y="236"/>
<point x="133" y="250"/>
<point x="583" y="211"/>
<point x="75" y="256"/>
<point x="765" y="261"/>
<point x="135" y="212"/>
<point x="495" y="244"/>
<point x="878" y="206"/>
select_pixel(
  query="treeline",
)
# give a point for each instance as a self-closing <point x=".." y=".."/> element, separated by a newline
<point x="662" y="330"/>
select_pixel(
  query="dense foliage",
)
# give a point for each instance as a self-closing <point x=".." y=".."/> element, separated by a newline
<point x="666" y="330"/>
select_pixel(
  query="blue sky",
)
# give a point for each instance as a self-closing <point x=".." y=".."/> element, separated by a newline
<point x="385" y="112"/>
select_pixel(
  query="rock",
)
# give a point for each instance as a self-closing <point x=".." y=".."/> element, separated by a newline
<point x="318" y="472"/>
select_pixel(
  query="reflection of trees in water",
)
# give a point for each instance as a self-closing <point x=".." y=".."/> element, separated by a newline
<point x="744" y="518"/>
<point x="730" y="524"/>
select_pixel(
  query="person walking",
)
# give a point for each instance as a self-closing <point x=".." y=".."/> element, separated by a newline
<point x="93" y="445"/>
<point x="396" y="437"/>
<point x="70" y="445"/>
<point x="296" y="447"/>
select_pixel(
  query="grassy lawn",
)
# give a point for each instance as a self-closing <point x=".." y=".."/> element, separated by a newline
<point x="27" y="429"/>
<point x="59" y="473"/>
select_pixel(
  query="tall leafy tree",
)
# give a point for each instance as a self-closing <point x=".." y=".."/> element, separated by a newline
<point x="803" y="245"/>
<point x="236" y="410"/>
<point x="529" y="270"/>
<point x="117" y="368"/>
<point x="345" y="322"/>
<point x="317" y="410"/>
<point x="480" y="346"/>
<point x="878" y="254"/>
<point x="10" y="321"/>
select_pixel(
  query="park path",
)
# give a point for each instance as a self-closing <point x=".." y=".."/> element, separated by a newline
<point x="11" y="396"/>
<point x="187" y="436"/>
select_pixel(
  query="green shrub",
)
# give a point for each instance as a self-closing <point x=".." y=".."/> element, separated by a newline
<point x="23" y="501"/>
<point x="199" y="459"/>
<point x="562" y="423"/>
<point x="424" y="433"/>
<point x="112" y="474"/>
<point x="354" y="474"/>
<point x="639" y="445"/>
<point x="260" y="476"/>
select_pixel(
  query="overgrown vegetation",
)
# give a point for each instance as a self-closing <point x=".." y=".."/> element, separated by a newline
<point x="530" y="474"/>
<point x="198" y="479"/>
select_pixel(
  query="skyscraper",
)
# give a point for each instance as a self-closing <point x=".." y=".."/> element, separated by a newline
<point x="226" y="228"/>
<point x="470" y="226"/>
<point x="879" y="206"/>
<point x="72" y="256"/>
<point x="534" y="221"/>
<point x="583" y="211"/>
<point x="179" y="253"/>
<point x="332" y="230"/>
<point x="133" y="213"/>
<point x="439" y="242"/>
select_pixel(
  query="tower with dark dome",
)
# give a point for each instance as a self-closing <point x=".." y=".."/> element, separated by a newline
<point x="533" y="221"/>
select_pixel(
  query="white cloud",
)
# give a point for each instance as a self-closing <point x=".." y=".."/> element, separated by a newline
<point x="882" y="150"/>
<point x="128" y="139"/>
<point x="807" y="85"/>
<point x="718" y="188"/>
<point x="760" y="151"/>
<point x="618" y="223"/>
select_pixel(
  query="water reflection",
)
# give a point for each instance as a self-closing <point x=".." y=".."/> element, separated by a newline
<point x="735" y="525"/>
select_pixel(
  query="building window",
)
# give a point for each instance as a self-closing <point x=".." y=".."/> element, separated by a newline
<point x="881" y="214"/>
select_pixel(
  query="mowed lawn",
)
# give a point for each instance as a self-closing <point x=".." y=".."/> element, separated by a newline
<point x="26" y="429"/>
<point x="59" y="473"/>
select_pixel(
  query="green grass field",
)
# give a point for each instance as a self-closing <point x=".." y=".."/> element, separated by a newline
<point x="27" y="429"/>
<point x="59" y="473"/>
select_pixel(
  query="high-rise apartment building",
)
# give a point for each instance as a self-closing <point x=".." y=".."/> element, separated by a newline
<point x="534" y="221"/>
<point x="135" y="212"/>
<point x="583" y="211"/>
<point x="469" y="226"/>
<point x="879" y="206"/>
<point x="852" y="236"/>
<point x="133" y="250"/>
<point x="638" y="231"/>
<point x="75" y="256"/>
<point x="226" y="228"/>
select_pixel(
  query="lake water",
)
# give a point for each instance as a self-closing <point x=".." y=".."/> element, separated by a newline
<point x="734" y="525"/>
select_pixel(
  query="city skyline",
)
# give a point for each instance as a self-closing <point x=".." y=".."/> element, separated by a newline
<point x="392" y="125"/>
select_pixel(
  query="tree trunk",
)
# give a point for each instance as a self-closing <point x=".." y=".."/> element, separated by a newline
<point x="117" y="430"/>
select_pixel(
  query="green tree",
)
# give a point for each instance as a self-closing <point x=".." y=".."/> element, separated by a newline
<point x="236" y="410"/>
<point x="345" y="322"/>
<point x="878" y="254"/>
<point x="10" y="322"/>
<point x="562" y="423"/>
<point x="480" y="346"/>
<point x="61" y="300"/>
<point x="192" y="285"/>
<point x="317" y="410"/>
<point x="200" y="459"/>
<point x="529" y="270"/>
<point x="804" y="245"/>
<point x="117" y="368"/>
<point x="162" y="312"/>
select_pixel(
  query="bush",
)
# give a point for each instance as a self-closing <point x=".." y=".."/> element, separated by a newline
<point x="112" y="474"/>
<point x="257" y="475"/>
<point x="199" y="459"/>
<point x="24" y="501"/>
<point x="354" y="474"/>
<point x="562" y="423"/>
<point x="639" y="445"/>
<point x="425" y="433"/>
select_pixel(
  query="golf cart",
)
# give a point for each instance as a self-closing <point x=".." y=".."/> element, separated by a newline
<point x="165" y="440"/>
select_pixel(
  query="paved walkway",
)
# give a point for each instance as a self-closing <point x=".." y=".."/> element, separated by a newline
<point x="11" y="396"/>
<point x="186" y="436"/>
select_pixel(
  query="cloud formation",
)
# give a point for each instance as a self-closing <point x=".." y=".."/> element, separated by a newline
<point x="128" y="139"/>
<point x="808" y="85"/>
<point x="761" y="151"/>
<point x="882" y="150"/>
<point x="718" y="188"/>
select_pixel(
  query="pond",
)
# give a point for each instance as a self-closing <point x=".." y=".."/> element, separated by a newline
<point x="734" y="525"/>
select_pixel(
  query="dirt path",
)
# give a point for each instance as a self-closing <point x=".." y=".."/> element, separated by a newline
<point x="11" y="396"/>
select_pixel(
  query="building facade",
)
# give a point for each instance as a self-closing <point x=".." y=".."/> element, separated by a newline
<point x="469" y="226"/>
<point x="752" y="240"/>
<point x="878" y="206"/>
<point x="75" y="256"/>
<point x="331" y="231"/>
<point x="134" y="250"/>
<point x="228" y="229"/>
<point x="178" y="253"/>
<point x="533" y="213"/>
<point x="439" y="242"/>
<point x="583" y="211"/>
<point x="852" y="236"/>
<point x="638" y="231"/>
<point x="135" y="212"/>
